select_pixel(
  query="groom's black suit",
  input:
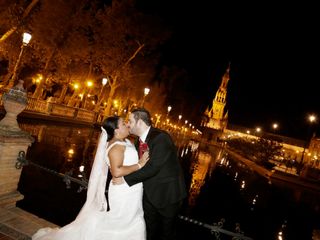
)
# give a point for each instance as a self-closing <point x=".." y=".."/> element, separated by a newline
<point x="163" y="182"/>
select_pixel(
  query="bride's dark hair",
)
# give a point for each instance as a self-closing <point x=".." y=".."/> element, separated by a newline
<point x="110" y="124"/>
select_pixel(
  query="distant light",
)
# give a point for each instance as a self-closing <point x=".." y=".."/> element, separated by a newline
<point x="89" y="84"/>
<point x="71" y="151"/>
<point x="243" y="184"/>
<point x="312" y="118"/>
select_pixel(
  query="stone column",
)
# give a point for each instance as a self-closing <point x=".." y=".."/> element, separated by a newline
<point x="12" y="141"/>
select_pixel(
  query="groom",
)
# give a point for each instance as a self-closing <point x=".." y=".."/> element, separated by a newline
<point x="162" y="177"/>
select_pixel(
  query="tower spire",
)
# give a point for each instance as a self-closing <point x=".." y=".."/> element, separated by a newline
<point x="216" y="116"/>
<point x="225" y="78"/>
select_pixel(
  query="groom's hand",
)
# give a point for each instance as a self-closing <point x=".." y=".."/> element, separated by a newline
<point x="117" y="181"/>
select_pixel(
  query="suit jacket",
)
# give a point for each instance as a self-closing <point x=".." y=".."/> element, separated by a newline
<point x="162" y="176"/>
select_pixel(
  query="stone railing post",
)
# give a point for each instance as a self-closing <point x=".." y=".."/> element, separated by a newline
<point x="12" y="141"/>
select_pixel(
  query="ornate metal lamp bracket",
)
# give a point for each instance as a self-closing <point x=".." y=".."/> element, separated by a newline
<point x="21" y="160"/>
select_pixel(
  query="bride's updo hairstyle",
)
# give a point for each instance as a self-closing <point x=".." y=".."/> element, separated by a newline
<point x="110" y="124"/>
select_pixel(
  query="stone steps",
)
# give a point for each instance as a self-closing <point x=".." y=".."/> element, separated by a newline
<point x="5" y="237"/>
<point x="17" y="224"/>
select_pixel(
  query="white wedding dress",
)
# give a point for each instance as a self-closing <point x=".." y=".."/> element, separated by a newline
<point x="124" y="220"/>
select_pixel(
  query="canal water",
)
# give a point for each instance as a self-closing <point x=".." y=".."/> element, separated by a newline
<point x="221" y="190"/>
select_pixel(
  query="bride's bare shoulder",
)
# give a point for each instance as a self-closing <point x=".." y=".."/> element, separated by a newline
<point x="117" y="145"/>
<point x="116" y="151"/>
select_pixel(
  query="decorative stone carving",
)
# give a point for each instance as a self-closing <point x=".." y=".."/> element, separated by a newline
<point x="14" y="102"/>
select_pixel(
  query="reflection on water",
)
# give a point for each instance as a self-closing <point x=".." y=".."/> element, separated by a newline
<point x="201" y="167"/>
<point x="219" y="187"/>
<point x="62" y="148"/>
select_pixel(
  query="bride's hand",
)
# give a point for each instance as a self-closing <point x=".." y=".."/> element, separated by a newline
<point x="117" y="180"/>
<point x="144" y="159"/>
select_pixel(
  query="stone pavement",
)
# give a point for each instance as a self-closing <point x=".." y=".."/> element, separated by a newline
<point x="5" y="237"/>
<point x="17" y="224"/>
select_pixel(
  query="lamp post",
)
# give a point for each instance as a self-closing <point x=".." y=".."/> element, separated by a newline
<point x="85" y="94"/>
<point x="169" y="109"/>
<point x="275" y="126"/>
<point x="146" y="92"/>
<point x="100" y="98"/>
<point x="72" y="102"/>
<point x="179" y="119"/>
<point x="26" y="37"/>
<point x="104" y="83"/>
<point x="311" y="118"/>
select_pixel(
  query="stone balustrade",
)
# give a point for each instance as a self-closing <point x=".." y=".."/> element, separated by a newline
<point x="60" y="110"/>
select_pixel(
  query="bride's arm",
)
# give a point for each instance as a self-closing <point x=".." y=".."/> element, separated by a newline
<point x="116" y="156"/>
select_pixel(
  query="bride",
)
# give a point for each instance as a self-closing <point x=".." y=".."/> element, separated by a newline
<point x="124" y="220"/>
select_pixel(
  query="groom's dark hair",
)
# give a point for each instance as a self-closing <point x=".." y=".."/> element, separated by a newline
<point x="143" y="114"/>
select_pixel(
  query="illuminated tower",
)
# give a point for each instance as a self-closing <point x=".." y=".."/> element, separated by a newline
<point x="216" y="117"/>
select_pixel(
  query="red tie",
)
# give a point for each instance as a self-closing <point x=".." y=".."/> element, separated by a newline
<point x="143" y="147"/>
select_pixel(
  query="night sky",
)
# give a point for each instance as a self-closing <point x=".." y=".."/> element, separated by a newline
<point x="274" y="54"/>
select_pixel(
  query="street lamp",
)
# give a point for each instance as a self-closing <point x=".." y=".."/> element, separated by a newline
<point x="275" y="126"/>
<point x="179" y="117"/>
<point x="26" y="37"/>
<point x="99" y="101"/>
<point x="169" y="109"/>
<point x="311" y="118"/>
<point x="104" y="82"/>
<point x="258" y="130"/>
<point x="86" y="95"/>
<point x="146" y="92"/>
<point x="89" y="84"/>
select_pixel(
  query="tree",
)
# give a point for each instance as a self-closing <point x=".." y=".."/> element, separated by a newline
<point x="127" y="35"/>
<point x="13" y="22"/>
<point x="87" y="39"/>
<point x="51" y="33"/>
<point x="260" y="150"/>
<point x="18" y="19"/>
<point x="267" y="148"/>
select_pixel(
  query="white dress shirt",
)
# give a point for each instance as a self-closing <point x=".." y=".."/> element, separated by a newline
<point x="144" y="135"/>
